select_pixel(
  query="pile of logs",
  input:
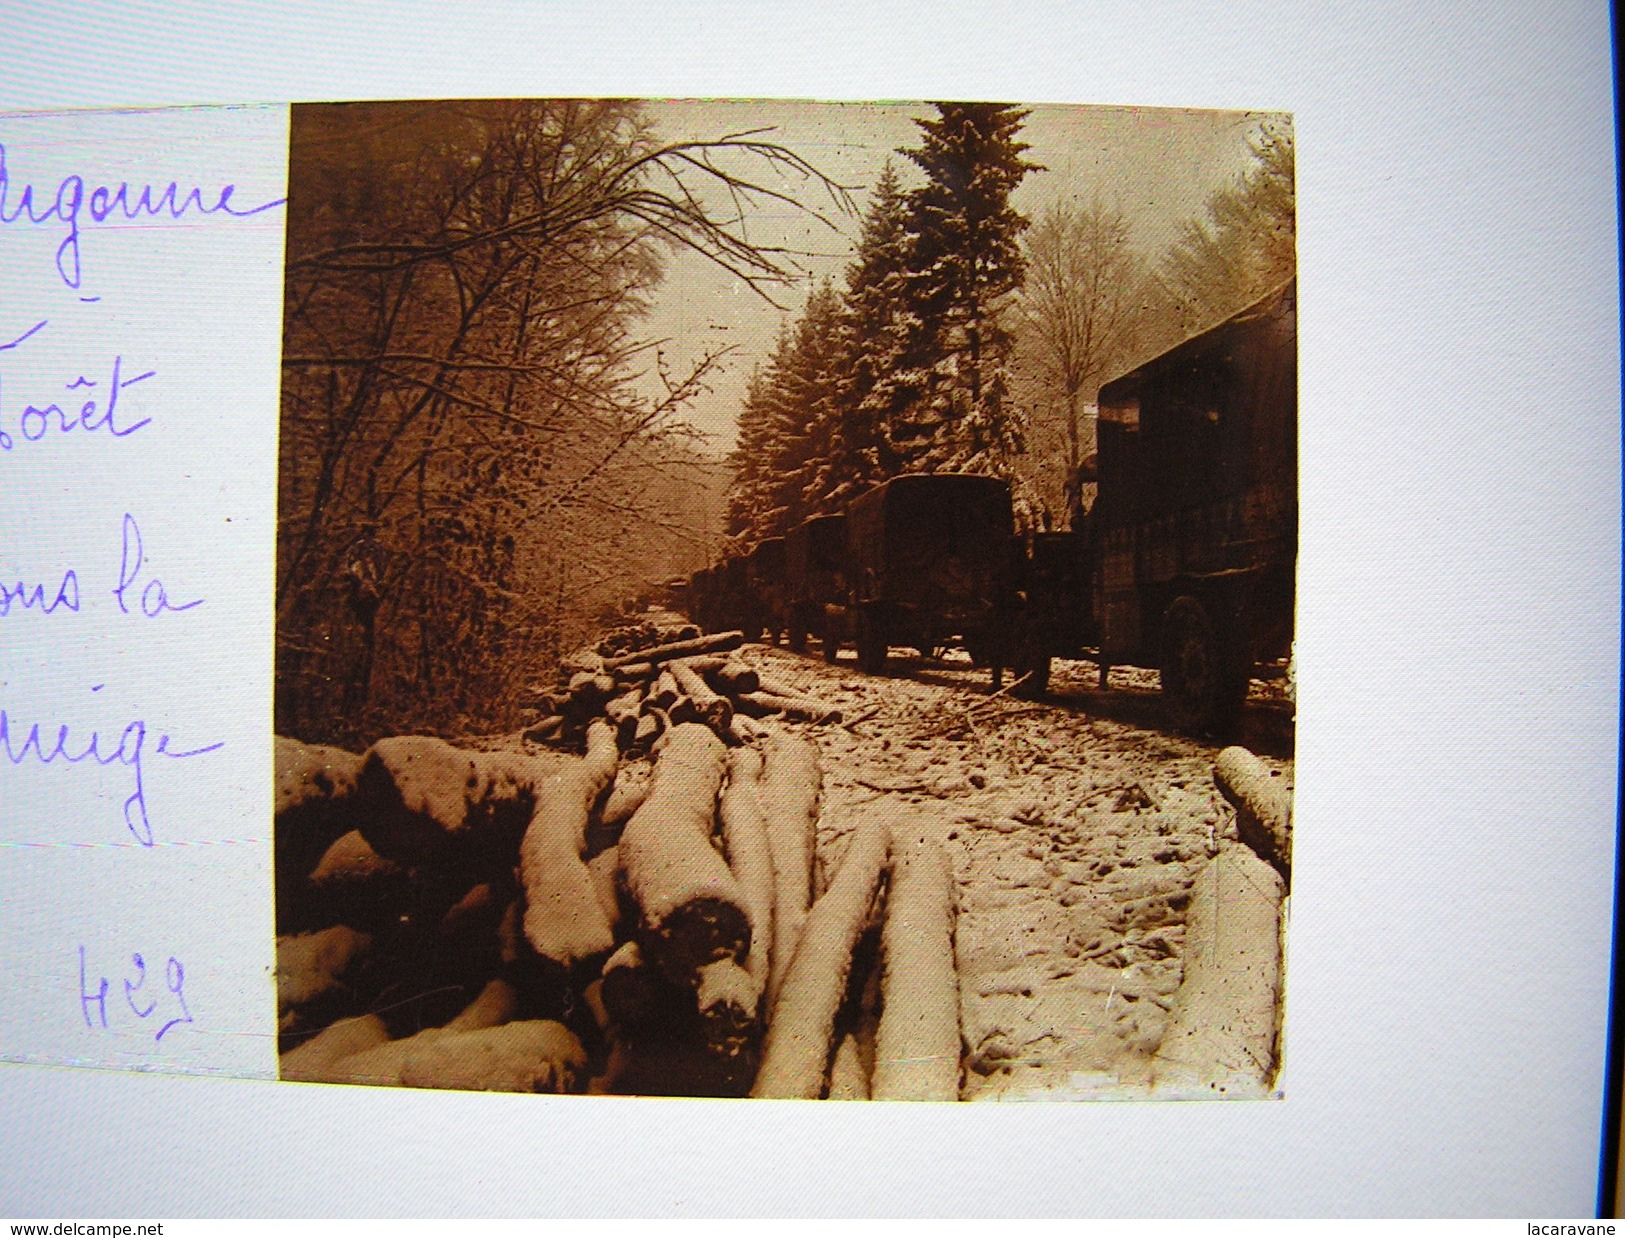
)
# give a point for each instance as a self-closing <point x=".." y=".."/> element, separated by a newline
<point x="631" y="899"/>
<point x="646" y="691"/>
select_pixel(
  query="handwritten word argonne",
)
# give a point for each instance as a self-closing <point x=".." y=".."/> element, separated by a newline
<point x="104" y="202"/>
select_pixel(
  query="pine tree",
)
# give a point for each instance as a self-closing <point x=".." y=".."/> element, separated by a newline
<point x="786" y="426"/>
<point x="749" y="480"/>
<point x="876" y="327"/>
<point x="966" y="260"/>
<point x="806" y="398"/>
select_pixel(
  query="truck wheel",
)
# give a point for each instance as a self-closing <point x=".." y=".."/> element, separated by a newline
<point x="1204" y="673"/>
<point x="871" y="644"/>
<point x="832" y="642"/>
<point x="1035" y="666"/>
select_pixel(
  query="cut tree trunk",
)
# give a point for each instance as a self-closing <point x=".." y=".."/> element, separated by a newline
<point x="750" y="854"/>
<point x="715" y="711"/>
<point x="917" y="1047"/>
<point x="761" y="704"/>
<point x="564" y="918"/>
<point x="313" y="1061"/>
<point x="721" y="642"/>
<point x="789" y="788"/>
<point x="1263" y="806"/>
<point x="691" y="909"/>
<point x="1221" y="1039"/>
<point x="796" y="1057"/>
<point x="416" y="795"/>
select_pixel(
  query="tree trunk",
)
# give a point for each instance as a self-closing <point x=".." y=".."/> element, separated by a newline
<point x="796" y="1056"/>
<point x="917" y="1048"/>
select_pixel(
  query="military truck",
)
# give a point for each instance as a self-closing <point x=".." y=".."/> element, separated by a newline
<point x="1188" y="556"/>
<point x="928" y="562"/>
<point x="815" y="582"/>
<point x="764" y="605"/>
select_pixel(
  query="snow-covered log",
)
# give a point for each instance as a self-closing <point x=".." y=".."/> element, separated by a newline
<point x="750" y="855"/>
<point x="537" y="1055"/>
<point x="533" y="1056"/>
<point x="728" y="998"/>
<point x="629" y="988"/>
<point x="761" y="704"/>
<point x="917" y="1047"/>
<point x="789" y="787"/>
<point x="796" y="1056"/>
<point x="663" y="692"/>
<point x="605" y="871"/>
<point x="622" y="713"/>
<point x="630" y="789"/>
<point x="353" y="884"/>
<point x="313" y="789"/>
<point x="732" y="678"/>
<point x="721" y="642"/>
<point x="635" y="673"/>
<point x="1263" y="806"/>
<point x="311" y="778"/>
<point x="312" y="966"/>
<point x="724" y="674"/>
<point x="691" y="909"/>
<point x="1221" y="1039"/>
<point x="313" y="1061"/>
<point x="565" y="919"/>
<point x="714" y="710"/>
<point x="847" y="1078"/>
<point x="415" y="795"/>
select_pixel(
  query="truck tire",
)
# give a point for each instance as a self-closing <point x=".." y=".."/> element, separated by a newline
<point x="1035" y="666"/>
<point x="832" y="641"/>
<point x="871" y="643"/>
<point x="1204" y="669"/>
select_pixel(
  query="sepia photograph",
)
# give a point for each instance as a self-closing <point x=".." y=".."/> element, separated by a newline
<point x="787" y="599"/>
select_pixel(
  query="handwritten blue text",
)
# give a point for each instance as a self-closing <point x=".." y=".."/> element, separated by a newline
<point x="76" y="750"/>
<point x="141" y="1001"/>
<point x="36" y="421"/>
<point x="154" y="599"/>
<point x="73" y="198"/>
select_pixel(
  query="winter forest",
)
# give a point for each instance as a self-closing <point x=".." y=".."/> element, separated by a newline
<point x="497" y="429"/>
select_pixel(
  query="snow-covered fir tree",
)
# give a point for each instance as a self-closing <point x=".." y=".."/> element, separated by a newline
<point x="877" y="324"/>
<point x="786" y="425"/>
<point x="965" y="262"/>
<point x="1247" y="244"/>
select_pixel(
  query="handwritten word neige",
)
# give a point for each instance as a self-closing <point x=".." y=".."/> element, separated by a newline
<point x="73" y="749"/>
<point x="73" y="201"/>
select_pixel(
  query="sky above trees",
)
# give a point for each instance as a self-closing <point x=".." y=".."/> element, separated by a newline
<point x="1157" y="166"/>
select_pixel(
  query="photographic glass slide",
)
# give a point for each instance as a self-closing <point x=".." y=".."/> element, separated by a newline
<point x="786" y="599"/>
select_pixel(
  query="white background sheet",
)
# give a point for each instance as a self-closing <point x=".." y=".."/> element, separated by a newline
<point x="1458" y="634"/>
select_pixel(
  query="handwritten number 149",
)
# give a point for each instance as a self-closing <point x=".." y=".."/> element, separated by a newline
<point x="101" y="1007"/>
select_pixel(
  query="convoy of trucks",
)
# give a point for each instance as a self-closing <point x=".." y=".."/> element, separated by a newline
<point x="1184" y="563"/>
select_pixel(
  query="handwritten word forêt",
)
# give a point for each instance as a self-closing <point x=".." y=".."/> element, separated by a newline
<point x="132" y="741"/>
<point x="37" y="421"/>
<point x="74" y="198"/>
<point x="141" y="1001"/>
